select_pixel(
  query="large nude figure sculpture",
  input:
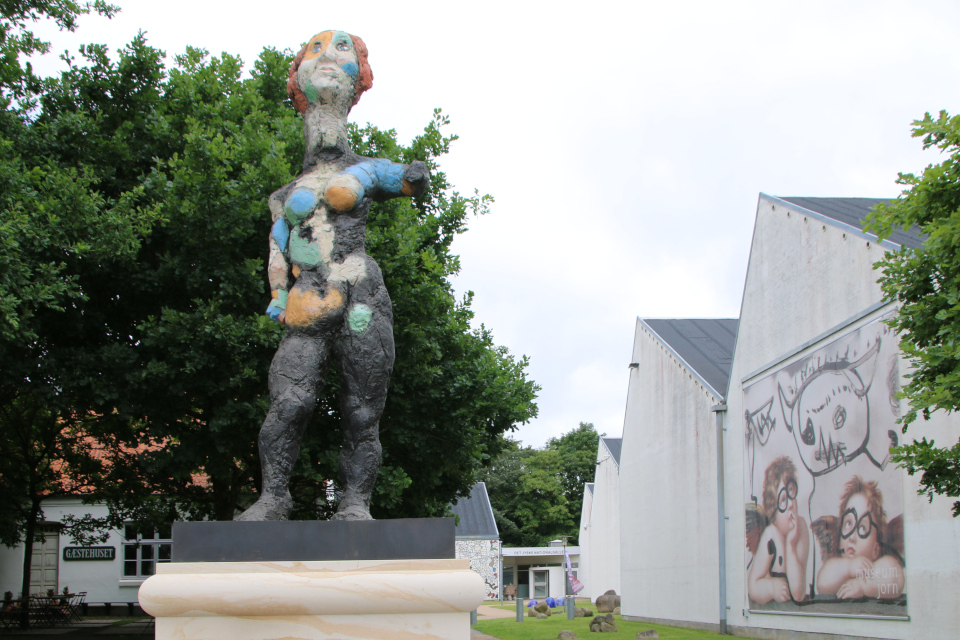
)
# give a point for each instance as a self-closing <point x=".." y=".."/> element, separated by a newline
<point x="326" y="290"/>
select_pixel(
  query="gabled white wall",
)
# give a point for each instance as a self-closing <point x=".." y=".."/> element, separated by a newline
<point x="668" y="491"/>
<point x="584" y="541"/>
<point x="604" y="537"/>
<point x="804" y="278"/>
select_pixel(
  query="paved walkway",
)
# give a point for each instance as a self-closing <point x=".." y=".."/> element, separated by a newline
<point x="488" y="612"/>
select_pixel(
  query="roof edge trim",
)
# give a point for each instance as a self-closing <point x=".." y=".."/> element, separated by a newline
<point x="493" y="518"/>
<point x="613" y="457"/>
<point x="889" y="244"/>
<point x="679" y="357"/>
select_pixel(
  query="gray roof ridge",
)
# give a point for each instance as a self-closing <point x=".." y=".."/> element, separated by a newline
<point x="680" y="358"/>
<point x="616" y="457"/>
<point x="472" y="512"/>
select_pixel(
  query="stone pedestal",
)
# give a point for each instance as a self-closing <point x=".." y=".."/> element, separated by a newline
<point x="312" y="599"/>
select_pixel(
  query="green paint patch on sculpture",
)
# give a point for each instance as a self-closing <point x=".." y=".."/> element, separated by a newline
<point x="360" y="317"/>
<point x="302" y="251"/>
<point x="311" y="92"/>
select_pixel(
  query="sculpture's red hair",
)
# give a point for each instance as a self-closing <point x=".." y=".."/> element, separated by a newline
<point x="364" y="76"/>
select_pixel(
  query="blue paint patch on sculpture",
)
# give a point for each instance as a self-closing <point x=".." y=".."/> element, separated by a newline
<point x="300" y="205"/>
<point x="281" y="233"/>
<point x="380" y="173"/>
<point x="390" y="176"/>
<point x="351" y="69"/>
<point x="363" y="172"/>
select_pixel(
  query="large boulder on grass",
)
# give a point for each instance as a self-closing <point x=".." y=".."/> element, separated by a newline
<point x="608" y="602"/>
<point x="649" y="633"/>
<point x="566" y="635"/>
<point x="603" y="623"/>
<point x="543" y="608"/>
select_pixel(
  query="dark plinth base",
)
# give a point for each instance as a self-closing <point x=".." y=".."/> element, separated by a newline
<point x="312" y="540"/>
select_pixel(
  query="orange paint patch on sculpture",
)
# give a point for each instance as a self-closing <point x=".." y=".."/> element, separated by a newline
<point x="305" y="307"/>
<point x="341" y="198"/>
<point x="296" y="271"/>
<point x="323" y="39"/>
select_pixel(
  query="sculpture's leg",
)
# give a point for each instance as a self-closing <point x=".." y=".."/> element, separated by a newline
<point x="296" y="372"/>
<point x="366" y="358"/>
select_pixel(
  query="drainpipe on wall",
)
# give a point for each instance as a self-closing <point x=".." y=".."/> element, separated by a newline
<point x="720" y="410"/>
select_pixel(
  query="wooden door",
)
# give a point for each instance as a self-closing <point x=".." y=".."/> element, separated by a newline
<point x="45" y="563"/>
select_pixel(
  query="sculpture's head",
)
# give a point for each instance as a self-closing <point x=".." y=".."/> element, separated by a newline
<point x="331" y="66"/>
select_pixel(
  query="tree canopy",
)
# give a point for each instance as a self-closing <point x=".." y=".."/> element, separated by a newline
<point x="926" y="284"/>
<point x="537" y="494"/>
<point x="134" y="229"/>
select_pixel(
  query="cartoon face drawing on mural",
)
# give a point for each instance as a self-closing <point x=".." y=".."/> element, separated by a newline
<point x="829" y="415"/>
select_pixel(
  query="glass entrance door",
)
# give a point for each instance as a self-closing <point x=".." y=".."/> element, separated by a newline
<point x="541" y="584"/>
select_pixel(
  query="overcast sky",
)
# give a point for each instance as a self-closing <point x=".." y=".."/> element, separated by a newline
<point x="625" y="142"/>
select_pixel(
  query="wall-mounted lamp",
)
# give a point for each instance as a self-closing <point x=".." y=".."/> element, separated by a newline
<point x="634" y="365"/>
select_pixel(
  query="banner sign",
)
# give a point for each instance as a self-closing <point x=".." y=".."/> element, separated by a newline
<point x="824" y="504"/>
<point x="89" y="553"/>
<point x="575" y="585"/>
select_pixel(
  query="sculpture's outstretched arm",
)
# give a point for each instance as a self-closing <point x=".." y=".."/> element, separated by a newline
<point x="278" y="271"/>
<point x="380" y="179"/>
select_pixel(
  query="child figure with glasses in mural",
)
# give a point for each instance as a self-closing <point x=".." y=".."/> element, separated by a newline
<point x="779" y="567"/>
<point x="857" y="562"/>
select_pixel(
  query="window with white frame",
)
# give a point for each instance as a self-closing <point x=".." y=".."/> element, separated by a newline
<point x="142" y="550"/>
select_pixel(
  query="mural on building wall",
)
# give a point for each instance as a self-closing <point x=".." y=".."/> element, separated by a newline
<point x="484" y="556"/>
<point x="824" y="508"/>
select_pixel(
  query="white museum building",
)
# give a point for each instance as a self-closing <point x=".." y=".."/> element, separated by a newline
<point x="757" y="496"/>
<point x="600" y="524"/>
<point x="538" y="572"/>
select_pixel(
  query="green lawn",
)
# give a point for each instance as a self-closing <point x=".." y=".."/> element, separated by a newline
<point x="534" y="629"/>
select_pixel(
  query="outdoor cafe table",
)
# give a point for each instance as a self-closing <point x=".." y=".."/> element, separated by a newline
<point x="50" y="611"/>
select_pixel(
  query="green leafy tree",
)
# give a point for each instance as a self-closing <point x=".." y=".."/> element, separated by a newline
<point x="503" y="480"/>
<point x="543" y="511"/>
<point x="171" y="346"/>
<point x="57" y="230"/>
<point x="926" y="283"/>
<point x="578" y="463"/>
<point x="17" y="81"/>
<point x="537" y="494"/>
